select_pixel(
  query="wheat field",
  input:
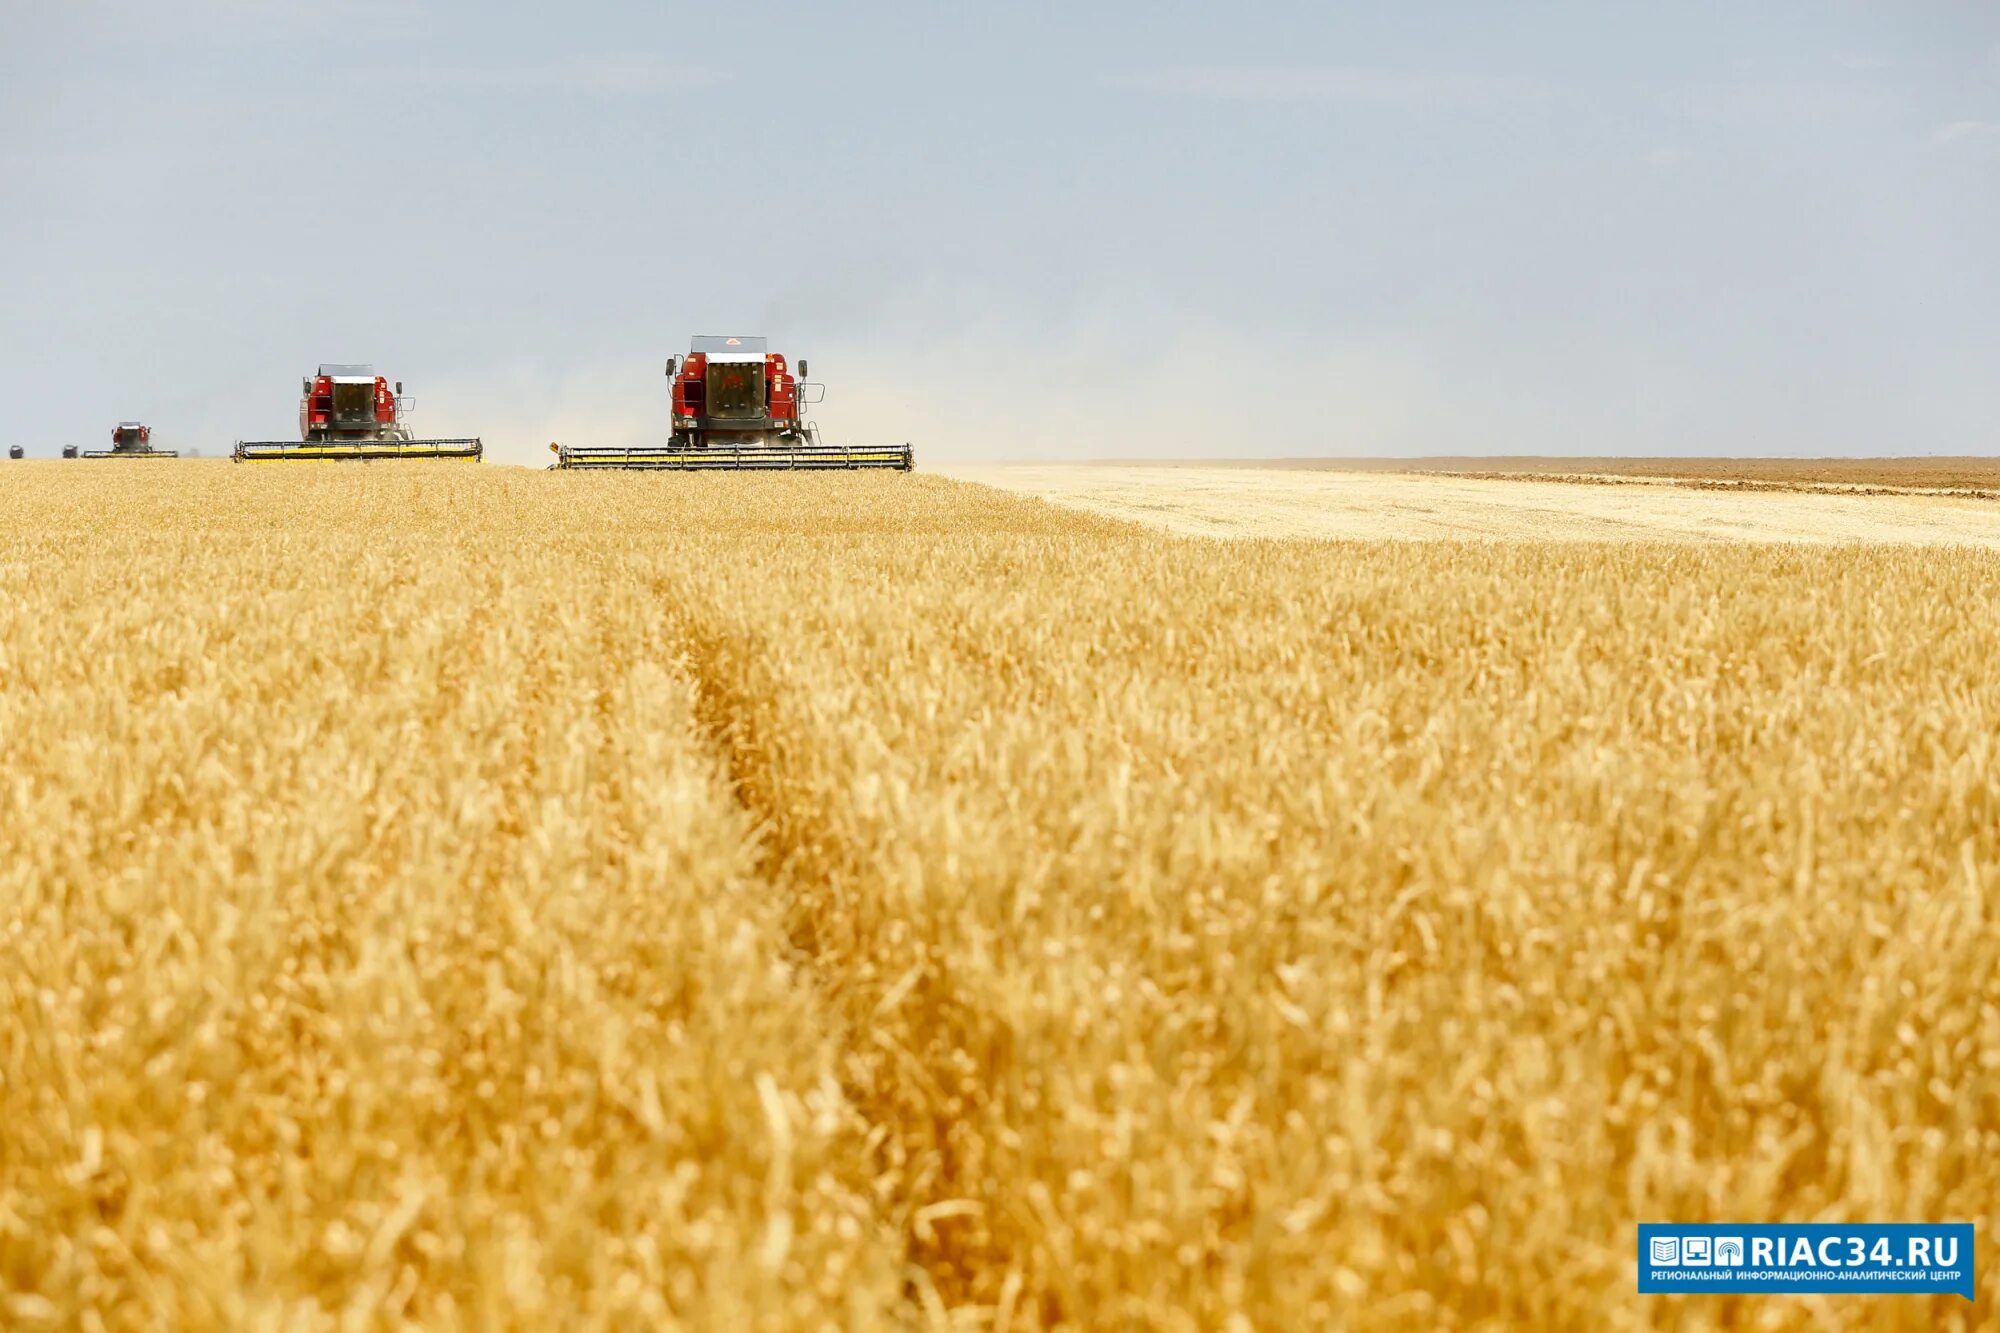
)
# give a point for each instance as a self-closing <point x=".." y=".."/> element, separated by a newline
<point x="471" y="897"/>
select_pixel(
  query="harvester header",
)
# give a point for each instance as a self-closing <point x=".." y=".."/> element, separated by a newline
<point x="737" y="406"/>
<point x="349" y="413"/>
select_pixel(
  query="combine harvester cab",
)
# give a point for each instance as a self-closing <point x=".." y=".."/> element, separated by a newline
<point x="69" y="451"/>
<point x="737" y="408"/>
<point x="348" y="414"/>
<point x="129" y="439"/>
<point x="16" y="451"/>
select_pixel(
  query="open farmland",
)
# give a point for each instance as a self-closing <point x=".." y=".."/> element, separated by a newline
<point x="484" y="897"/>
<point x="1274" y="500"/>
<point x="1923" y="471"/>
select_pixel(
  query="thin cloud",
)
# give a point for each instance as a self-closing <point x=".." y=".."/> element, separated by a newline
<point x="585" y="74"/>
<point x="1404" y="90"/>
<point x="1817" y="103"/>
<point x="234" y="22"/>
<point x="1968" y="131"/>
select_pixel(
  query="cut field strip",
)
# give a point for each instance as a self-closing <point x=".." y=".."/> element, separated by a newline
<point x="1440" y="505"/>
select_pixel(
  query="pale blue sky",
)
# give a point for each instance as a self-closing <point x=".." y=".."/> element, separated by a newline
<point x="1037" y="229"/>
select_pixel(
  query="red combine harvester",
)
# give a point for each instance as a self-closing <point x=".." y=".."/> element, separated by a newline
<point x="737" y="408"/>
<point x="348" y="414"/>
<point x="131" y="439"/>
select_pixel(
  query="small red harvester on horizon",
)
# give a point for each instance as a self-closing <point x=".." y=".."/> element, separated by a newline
<point x="348" y="414"/>
<point x="737" y="407"/>
<point x="131" y="439"/>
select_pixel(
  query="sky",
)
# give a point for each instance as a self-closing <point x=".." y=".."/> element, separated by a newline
<point x="1031" y="230"/>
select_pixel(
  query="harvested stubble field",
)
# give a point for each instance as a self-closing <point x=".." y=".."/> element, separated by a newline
<point x="479" y="897"/>
<point x="1927" y="471"/>
<point x="1242" y="501"/>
